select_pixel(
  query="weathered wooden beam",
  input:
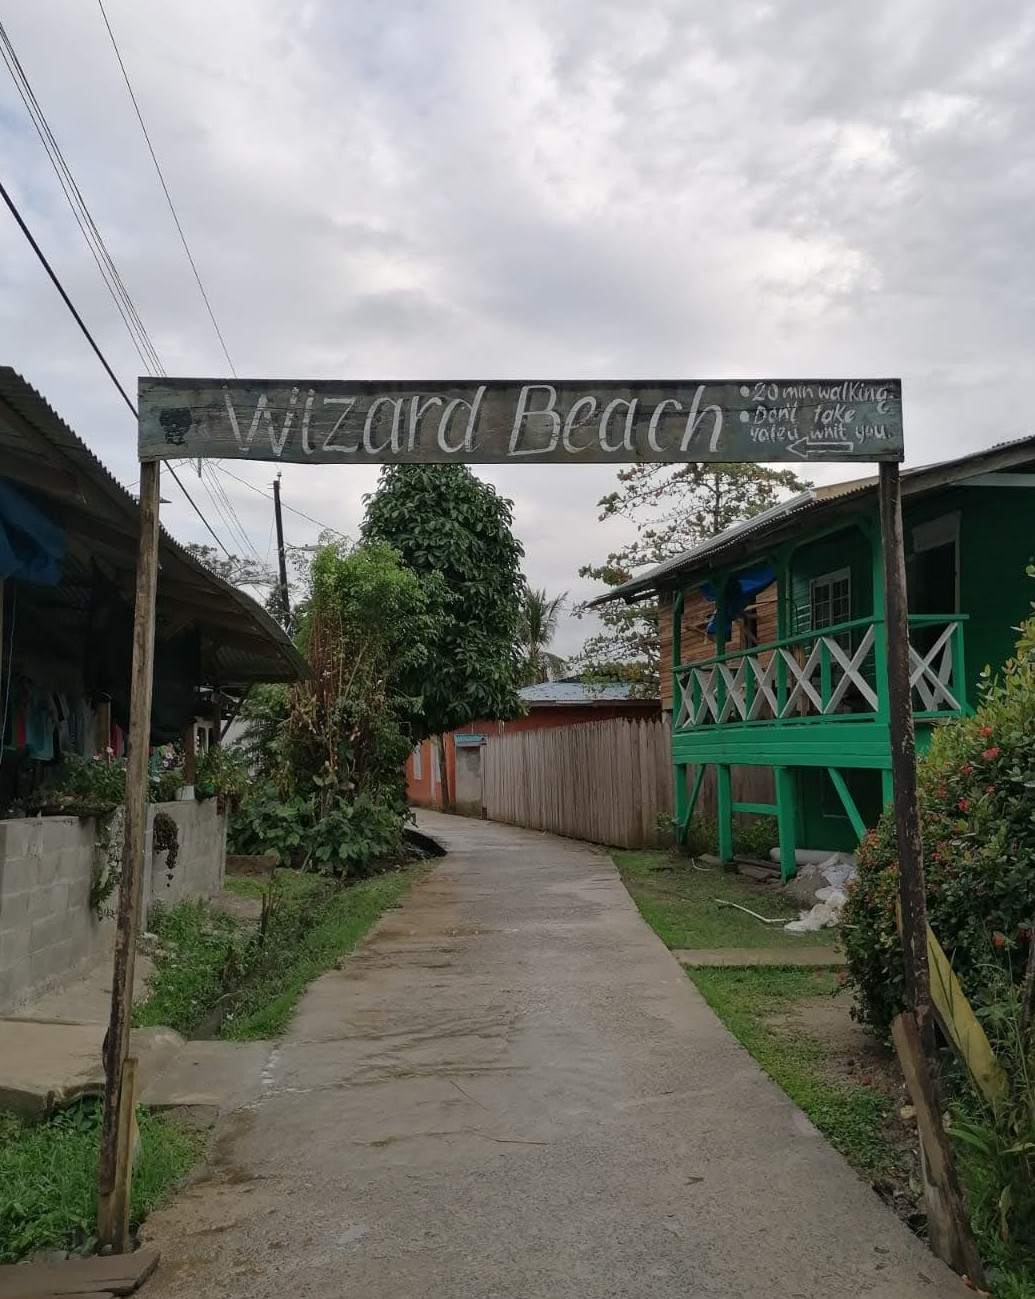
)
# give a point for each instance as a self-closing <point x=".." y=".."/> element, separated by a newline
<point x="948" y="1229"/>
<point x="111" y="1211"/>
<point x="903" y="757"/>
<point x="318" y="422"/>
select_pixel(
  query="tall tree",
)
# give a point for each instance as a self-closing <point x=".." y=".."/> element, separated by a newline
<point x="452" y="528"/>
<point x="674" y="508"/>
<point x="539" y="618"/>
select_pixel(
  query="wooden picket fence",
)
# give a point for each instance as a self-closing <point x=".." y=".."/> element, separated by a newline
<point x="607" y="782"/>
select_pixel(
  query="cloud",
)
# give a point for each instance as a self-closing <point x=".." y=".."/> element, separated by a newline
<point x="517" y="188"/>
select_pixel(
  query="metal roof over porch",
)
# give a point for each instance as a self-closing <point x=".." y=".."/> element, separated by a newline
<point x="240" y="643"/>
<point x="814" y="507"/>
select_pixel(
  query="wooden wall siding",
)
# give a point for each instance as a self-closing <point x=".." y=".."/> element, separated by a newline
<point x="607" y="782"/>
<point x="696" y="645"/>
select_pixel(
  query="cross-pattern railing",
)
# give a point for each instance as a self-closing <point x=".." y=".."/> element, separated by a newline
<point x="827" y="674"/>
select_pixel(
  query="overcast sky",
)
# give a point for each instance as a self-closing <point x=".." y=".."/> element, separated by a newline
<point x="430" y="189"/>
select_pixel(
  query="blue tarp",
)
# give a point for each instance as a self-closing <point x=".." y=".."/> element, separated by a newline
<point x="32" y="548"/>
<point x="741" y="589"/>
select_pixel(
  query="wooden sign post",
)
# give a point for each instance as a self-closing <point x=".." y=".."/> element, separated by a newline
<point x="542" y="422"/>
<point x="116" y="1125"/>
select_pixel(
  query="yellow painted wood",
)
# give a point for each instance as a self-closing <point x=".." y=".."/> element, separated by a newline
<point x="963" y="1027"/>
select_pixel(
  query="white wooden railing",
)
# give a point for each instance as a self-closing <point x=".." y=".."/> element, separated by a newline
<point x="831" y="674"/>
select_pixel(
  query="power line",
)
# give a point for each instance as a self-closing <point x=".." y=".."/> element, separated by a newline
<point x="290" y="508"/>
<point x="93" y="343"/>
<point x="165" y="189"/>
<point x="65" y="298"/>
<point x="109" y="272"/>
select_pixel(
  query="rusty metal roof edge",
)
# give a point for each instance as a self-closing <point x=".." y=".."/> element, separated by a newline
<point x="32" y="406"/>
<point x="914" y="481"/>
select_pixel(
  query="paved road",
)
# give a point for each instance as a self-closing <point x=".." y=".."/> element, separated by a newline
<point x="513" y="1091"/>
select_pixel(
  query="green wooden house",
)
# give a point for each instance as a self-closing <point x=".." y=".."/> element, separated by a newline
<point x="775" y="643"/>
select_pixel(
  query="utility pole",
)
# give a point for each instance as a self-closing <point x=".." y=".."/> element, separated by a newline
<point x="285" y="603"/>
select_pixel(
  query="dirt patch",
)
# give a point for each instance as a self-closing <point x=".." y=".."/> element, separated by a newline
<point x="855" y="1057"/>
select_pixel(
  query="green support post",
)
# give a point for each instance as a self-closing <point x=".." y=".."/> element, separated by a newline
<point x="680" y="802"/>
<point x="724" y="810"/>
<point x="786" y="820"/>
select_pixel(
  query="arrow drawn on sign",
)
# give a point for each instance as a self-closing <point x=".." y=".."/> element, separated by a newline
<point x="814" y="446"/>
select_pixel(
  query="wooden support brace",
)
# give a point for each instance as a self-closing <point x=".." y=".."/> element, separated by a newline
<point x="848" y="802"/>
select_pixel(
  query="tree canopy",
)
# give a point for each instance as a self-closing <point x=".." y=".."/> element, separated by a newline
<point x="454" y="531"/>
<point x="539" y="617"/>
<point x="674" y="508"/>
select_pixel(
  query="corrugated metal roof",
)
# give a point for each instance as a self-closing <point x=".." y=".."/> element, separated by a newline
<point x="577" y="692"/>
<point x="746" y="538"/>
<point x="241" y="642"/>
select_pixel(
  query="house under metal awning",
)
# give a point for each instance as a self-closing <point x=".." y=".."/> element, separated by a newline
<point x="68" y="551"/>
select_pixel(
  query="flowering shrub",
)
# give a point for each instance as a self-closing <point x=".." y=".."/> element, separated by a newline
<point x="977" y="805"/>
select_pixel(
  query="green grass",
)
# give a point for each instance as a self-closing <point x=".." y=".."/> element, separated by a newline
<point x="344" y="920"/>
<point x="210" y="965"/>
<point x="678" y="902"/>
<point x="290" y="883"/>
<point x="48" y="1177"/>
<point x="851" y="1115"/>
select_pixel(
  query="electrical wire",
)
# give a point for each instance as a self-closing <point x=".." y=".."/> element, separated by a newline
<point x="64" y="296"/>
<point x="100" y="355"/>
<point x="165" y="190"/>
<point x="283" y="505"/>
<point x="80" y="211"/>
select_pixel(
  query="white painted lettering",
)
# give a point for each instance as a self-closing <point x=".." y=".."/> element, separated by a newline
<point x="310" y="398"/>
<point x="392" y="440"/>
<point x="522" y="413"/>
<point x="576" y="419"/>
<point x="694" y="418"/>
<point x="467" y="442"/>
<point x="346" y="404"/>
<point x="418" y="410"/>
<point x="626" y="444"/>
<point x="655" y="420"/>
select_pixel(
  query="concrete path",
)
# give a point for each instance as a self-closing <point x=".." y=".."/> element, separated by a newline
<point x="513" y="1091"/>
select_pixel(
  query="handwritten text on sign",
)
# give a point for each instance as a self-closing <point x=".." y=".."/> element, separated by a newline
<point x="369" y="422"/>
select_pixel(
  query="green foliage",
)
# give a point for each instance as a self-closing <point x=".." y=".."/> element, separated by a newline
<point x="222" y="774"/>
<point x="328" y="756"/>
<point x="215" y="972"/>
<point x="82" y="787"/>
<point x="165" y="837"/>
<point x="267" y="823"/>
<point x="678" y="900"/>
<point x="977" y="802"/>
<point x="454" y="531"/>
<point x="537" y="628"/>
<point x="674" y="508"/>
<point x="853" y="1116"/>
<point x="48" y="1177"/>
<point x="996" y="1146"/>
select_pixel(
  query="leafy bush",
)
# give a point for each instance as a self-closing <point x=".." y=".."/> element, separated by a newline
<point x="222" y="774"/>
<point x="48" y="1177"/>
<point x="977" y="802"/>
<point x="265" y="822"/>
<point x="328" y="756"/>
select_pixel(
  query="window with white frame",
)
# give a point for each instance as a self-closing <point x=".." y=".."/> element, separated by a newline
<point x="418" y="762"/>
<point x="830" y="599"/>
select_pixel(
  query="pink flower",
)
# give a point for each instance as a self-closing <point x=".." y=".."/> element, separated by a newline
<point x="989" y="754"/>
<point x="998" y="940"/>
<point x="963" y="804"/>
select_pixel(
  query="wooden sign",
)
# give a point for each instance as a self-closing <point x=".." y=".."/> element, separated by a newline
<point x="316" y="422"/>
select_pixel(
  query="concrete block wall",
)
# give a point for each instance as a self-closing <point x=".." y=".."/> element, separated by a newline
<point x="48" y="932"/>
<point x="201" y="862"/>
